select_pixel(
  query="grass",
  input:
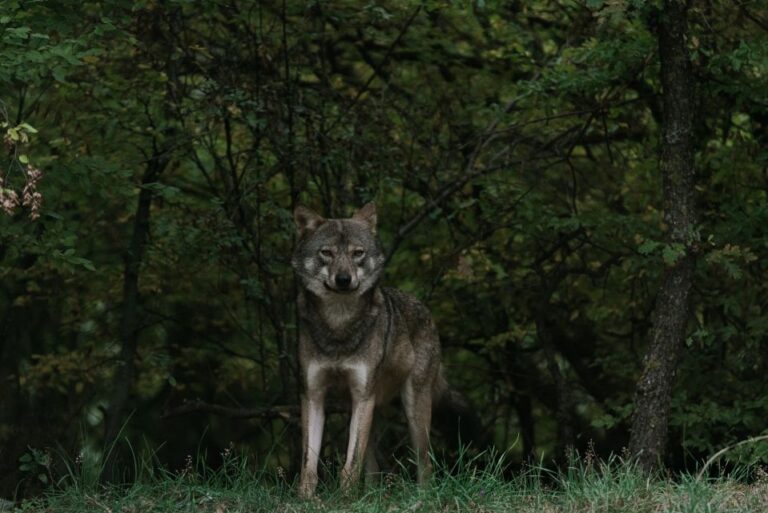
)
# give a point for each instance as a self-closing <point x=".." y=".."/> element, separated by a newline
<point x="587" y="486"/>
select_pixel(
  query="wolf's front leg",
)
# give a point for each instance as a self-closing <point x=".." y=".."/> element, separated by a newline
<point x="359" y="430"/>
<point x="312" y="420"/>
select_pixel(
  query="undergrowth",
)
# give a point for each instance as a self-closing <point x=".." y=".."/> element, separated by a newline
<point x="587" y="485"/>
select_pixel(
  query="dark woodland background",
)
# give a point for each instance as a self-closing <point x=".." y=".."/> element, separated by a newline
<point x="515" y="153"/>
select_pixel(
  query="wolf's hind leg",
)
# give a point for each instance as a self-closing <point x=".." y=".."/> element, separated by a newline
<point x="371" y="464"/>
<point x="417" y="402"/>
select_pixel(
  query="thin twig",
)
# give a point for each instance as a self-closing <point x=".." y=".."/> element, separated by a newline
<point x="726" y="449"/>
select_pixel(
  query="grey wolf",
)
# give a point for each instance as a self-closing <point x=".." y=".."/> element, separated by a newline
<point x="377" y="342"/>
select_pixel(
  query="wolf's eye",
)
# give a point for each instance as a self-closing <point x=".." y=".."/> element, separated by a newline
<point x="358" y="253"/>
<point x="327" y="253"/>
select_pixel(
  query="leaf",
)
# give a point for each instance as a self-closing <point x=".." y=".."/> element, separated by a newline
<point x="648" y="247"/>
<point x="20" y="32"/>
<point x="59" y="74"/>
<point x="672" y="253"/>
<point x="84" y="262"/>
<point x="27" y="127"/>
<point x="166" y="191"/>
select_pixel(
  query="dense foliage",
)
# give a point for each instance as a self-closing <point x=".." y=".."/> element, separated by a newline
<point x="511" y="147"/>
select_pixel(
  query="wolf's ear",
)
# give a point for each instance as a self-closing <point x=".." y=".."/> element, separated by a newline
<point x="306" y="220"/>
<point x="367" y="214"/>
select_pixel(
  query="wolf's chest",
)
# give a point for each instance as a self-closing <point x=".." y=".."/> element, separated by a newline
<point x="336" y="333"/>
<point x="354" y="374"/>
<point x="341" y="313"/>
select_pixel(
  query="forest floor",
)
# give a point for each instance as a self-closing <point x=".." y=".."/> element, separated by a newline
<point x="592" y="487"/>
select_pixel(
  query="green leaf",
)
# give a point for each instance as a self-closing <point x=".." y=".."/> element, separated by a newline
<point x="20" y="32"/>
<point x="59" y="74"/>
<point x="672" y="253"/>
<point x="29" y="128"/>
<point x="648" y="247"/>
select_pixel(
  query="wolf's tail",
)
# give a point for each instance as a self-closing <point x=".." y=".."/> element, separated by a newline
<point x="455" y="418"/>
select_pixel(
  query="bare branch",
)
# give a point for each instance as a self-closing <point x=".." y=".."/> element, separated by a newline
<point x="290" y="412"/>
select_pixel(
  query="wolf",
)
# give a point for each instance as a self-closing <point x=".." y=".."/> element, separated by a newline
<point x="375" y="341"/>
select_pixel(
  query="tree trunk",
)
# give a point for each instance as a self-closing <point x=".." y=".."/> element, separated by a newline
<point x="654" y="389"/>
<point x="125" y="375"/>
<point x="524" y="409"/>
<point x="564" y="412"/>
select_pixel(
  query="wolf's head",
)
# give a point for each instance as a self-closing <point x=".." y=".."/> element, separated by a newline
<point x="337" y="256"/>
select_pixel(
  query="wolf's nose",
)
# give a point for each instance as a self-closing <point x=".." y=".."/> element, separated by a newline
<point x="343" y="280"/>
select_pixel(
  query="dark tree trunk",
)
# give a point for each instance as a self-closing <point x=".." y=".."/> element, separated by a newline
<point x="524" y="409"/>
<point x="125" y="374"/>
<point x="564" y="412"/>
<point x="518" y="371"/>
<point x="654" y="389"/>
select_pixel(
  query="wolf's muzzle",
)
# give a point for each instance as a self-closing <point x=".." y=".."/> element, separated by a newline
<point x="343" y="281"/>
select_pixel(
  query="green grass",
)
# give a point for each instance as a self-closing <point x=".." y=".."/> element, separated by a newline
<point x="588" y="486"/>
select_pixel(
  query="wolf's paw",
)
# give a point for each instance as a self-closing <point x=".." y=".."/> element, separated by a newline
<point x="307" y="487"/>
<point x="349" y="480"/>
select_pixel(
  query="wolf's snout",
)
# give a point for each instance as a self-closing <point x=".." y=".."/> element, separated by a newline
<point x="343" y="280"/>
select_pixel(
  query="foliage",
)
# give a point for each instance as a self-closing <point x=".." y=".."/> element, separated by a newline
<point x="511" y="148"/>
